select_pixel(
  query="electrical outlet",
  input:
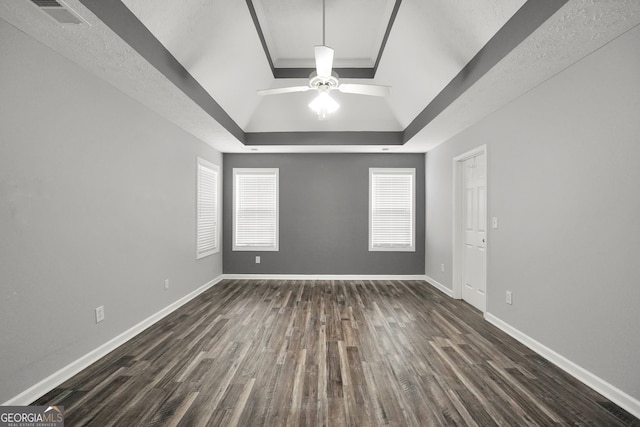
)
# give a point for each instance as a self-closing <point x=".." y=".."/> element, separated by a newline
<point x="166" y="284"/>
<point x="509" y="298"/>
<point x="257" y="260"/>
<point x="442" y="267"/>
<point x="100" y="314"/>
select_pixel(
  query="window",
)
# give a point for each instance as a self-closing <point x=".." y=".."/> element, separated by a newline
<point x="392" y="209"/>
<point x="255" y="209"/>
<point x="207" y="221"/>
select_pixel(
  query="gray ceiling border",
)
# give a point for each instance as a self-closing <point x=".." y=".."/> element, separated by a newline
<point x="349" y="73"/>
<point x="521" y="25"/>
<point x="126" y="25"/>
<point x="303" y="73"/>
<point x="392" y="19"/>
<point x="263" y="42"/>
<point x="324" y="138"/>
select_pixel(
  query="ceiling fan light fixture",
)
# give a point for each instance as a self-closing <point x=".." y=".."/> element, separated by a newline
<point x="323" y="105"/>
<point x="324" y="80"/>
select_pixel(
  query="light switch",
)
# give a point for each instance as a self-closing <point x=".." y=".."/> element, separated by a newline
<point x="494" y="222"/>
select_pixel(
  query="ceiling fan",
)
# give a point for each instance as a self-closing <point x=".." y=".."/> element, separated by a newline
<point x="324" y="80"/>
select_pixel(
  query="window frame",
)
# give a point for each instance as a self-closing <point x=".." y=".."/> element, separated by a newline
<point x="393" y="171"/>
<point x="255" y="171"/>
<point x="215" y="169"/>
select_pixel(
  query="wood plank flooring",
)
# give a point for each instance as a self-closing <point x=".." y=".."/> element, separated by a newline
<point x="327" y="353"/>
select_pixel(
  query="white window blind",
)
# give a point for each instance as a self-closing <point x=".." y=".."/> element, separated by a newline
<point x="207" y="222"/>
<point x="255" y="209"/>
<point x="392" y="209"/>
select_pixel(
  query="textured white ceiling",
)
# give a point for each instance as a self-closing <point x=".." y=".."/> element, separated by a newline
<point x="217" y="43"/>
<point x="431" y="42"/>
<point x="575" y="31"/>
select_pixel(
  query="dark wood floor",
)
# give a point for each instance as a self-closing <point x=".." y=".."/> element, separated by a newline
<point x="353" y="353"/>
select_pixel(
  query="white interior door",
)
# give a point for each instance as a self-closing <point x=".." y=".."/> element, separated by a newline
<point x="474" y="222"/>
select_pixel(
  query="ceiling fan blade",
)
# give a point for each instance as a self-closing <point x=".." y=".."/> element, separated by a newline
<point x="372" y="90"/>
<point x="324" y="60"/>
<point x="280" y="90"/>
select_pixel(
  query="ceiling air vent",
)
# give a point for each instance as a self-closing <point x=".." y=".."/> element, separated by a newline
<point x="59" y="11"/>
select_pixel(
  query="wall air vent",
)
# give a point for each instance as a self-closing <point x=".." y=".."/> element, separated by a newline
<point x="59" y="11"/>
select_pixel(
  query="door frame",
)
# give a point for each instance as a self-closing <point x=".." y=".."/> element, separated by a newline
<point x="458" y="232"/>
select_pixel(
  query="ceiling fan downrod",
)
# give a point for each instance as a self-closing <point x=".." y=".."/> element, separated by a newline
<point x="324" y="25"/>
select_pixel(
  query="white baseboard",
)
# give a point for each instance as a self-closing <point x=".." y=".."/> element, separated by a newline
<point x="439" y="286"/>
<point x="52" y="381"/>
<point x="322" y="277"/>
<point x="619" y="397"/>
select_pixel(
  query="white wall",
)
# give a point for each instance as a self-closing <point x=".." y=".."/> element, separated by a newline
<point x="97" y="207"/>
<point x="564" y="181"/>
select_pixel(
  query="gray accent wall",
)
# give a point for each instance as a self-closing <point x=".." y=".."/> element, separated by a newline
<point x="563" y="181"/>
<point x="97" y="207"/>
<point x="324" y="208"/>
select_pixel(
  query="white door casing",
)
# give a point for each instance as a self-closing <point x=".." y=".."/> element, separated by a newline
<point x="470" y="227"/>
<point x="474" y="214"/>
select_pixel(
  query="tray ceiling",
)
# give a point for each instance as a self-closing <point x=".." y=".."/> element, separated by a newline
<point x="200" y="62"/>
